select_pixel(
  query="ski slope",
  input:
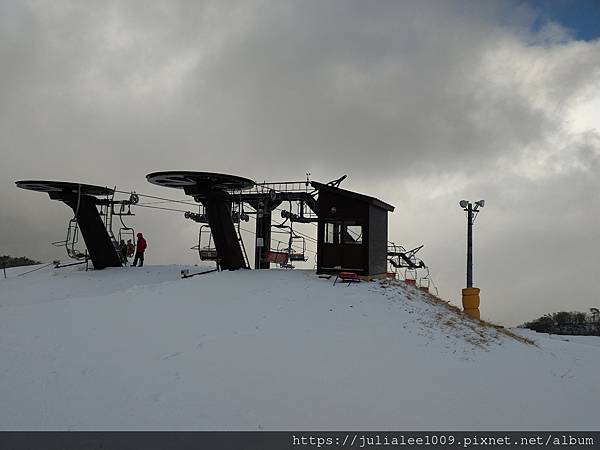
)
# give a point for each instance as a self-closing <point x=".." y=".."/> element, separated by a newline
<point x="142" y="349"/>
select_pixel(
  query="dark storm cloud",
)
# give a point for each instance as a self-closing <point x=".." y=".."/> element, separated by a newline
<point x="421" y="103"/>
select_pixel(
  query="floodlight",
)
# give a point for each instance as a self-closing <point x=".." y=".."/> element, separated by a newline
<point x="463" y="203"/>
<point x="480" y="203"/>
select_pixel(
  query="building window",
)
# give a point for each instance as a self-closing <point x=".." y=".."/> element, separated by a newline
<point x="332" y="233"/>
<point x="343" y="233"/>
<point x="353" y="234"/>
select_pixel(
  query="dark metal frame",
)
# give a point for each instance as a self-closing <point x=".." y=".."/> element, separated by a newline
<point x="83" y="200"/>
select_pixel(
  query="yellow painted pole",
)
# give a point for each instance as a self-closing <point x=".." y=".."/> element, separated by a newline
<point x="470" y="301"/>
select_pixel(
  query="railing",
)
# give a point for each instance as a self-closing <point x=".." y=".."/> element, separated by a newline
<point x="278" y="186"/>
<point x="285" y="186"/>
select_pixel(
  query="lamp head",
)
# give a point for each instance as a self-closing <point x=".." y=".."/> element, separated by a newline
<point x="480" y="203"/>
<point x="463" y="203"/>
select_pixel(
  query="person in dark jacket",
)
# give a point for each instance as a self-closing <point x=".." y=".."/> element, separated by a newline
<point x="130" y="249"/>
<point x="139" y="250"/>
<point x="123" y="250"/>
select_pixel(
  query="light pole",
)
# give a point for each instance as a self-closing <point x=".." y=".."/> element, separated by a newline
<point x="471" y="294"/>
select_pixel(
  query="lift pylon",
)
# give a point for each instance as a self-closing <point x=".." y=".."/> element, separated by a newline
<point x="215" y="192"/>
<point x="83" y="200"/>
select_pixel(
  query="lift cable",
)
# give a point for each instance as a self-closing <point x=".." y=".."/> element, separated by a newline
<point x="276" y="240"/>
<point x="153" y="203"/>
<point x="297" y="232"/>
<point x="158" y="198"/>
<point x="162" y="207"/>
<point x="310" y="238"/>
<point x="167" y="200"/>
<point x="183" y="211"/>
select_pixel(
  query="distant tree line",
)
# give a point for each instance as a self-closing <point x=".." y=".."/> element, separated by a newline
<point x="573" y="323"/>
<point x="12" y="261"/>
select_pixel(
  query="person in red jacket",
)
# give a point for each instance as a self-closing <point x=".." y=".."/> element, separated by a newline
<point x="139" y="250"/>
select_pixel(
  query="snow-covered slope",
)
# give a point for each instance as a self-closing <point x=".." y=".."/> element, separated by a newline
<point x="140" y="348"/>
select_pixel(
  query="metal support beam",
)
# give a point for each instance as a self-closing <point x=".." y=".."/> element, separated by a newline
<point x="218" y="211"/>
<point x="99" y="244"/>
<point x="470" y="245"/>
<point x="263" y="234"/>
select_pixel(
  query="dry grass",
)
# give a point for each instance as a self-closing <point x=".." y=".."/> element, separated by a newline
<point x="459" y="314"/>
<point x="499" y="328"/>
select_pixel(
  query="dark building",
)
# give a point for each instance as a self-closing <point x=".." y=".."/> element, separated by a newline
<point x="352" y="232"/>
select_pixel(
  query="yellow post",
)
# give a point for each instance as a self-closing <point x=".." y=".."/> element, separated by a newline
<point x="470" y="301"/>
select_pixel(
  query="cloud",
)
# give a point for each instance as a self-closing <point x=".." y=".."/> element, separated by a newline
<point x="421" y="103"/>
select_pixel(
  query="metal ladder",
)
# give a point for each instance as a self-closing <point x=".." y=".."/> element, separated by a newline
<point x="243" y="247"/>
<point x="108" y="222"/>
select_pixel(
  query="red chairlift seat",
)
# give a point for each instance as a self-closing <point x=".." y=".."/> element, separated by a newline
<point x="275" y="257"/>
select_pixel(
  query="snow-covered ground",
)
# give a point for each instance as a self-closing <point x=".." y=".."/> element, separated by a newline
<point x="140" y="348"/>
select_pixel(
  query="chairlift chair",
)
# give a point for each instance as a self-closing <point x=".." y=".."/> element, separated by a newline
<point x="296" y="248"/>
<point x="125" y="232"/>
<point x="400" y="258"/>
<point x="71" y="241"/>
<point x="285" y="262"/>
<point x="294" y="254"/>
<point x="278" y="257"/>
<point x="424" y="283"/>
<point x="410" y="276"/>
<point x="206" y="252"/>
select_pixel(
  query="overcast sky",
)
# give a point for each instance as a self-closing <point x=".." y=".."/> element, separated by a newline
<point x="421" y="103"/>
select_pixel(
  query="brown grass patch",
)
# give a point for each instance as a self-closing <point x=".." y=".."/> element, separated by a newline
<point x="499" y="328"/>
<point x="456" y="310"/>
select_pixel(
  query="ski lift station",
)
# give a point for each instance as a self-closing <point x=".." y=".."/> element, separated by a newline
<point x="352" y="228"/>
<point x="353" y="232"/>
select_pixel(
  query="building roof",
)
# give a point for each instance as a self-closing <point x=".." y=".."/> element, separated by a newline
<point x="354" y="195"/>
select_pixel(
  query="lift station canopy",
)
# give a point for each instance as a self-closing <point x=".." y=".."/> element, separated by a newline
<point x="64" y="187"/>
<point x="198" y="182"/>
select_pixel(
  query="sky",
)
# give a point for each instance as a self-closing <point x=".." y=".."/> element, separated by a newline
<point x="420" y="103"/>
<point x="580" y="17"/>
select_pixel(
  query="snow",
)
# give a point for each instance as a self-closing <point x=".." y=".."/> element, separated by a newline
<point x="143" y="349"/>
